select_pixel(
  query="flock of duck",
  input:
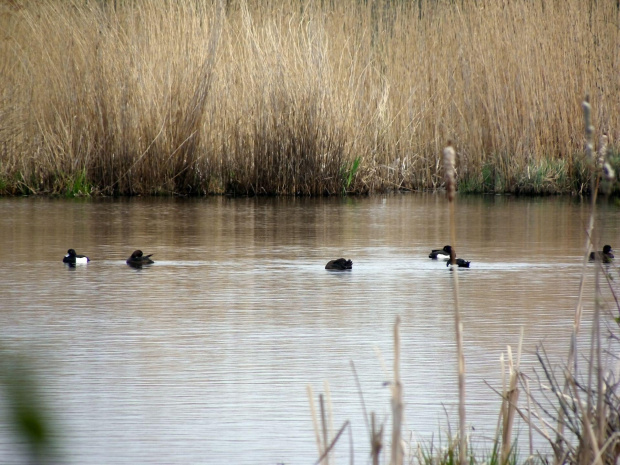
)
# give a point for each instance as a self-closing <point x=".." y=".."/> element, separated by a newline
<point x="138" y="259"/>
<point x="605" y="256"/>
<point x="342" y="264"/>
<point x="447" y="254"/>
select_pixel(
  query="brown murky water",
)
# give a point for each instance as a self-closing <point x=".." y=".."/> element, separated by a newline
<point x="205" y="356"/>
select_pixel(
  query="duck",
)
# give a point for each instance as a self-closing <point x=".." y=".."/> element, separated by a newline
<point x="441" y="254"/>
<point x="73" y="258"/>
<point x="605" y="256"/>
<point x="459" y="262"/>
<point x="138" y="259"/>
<point x="340" y="264"/>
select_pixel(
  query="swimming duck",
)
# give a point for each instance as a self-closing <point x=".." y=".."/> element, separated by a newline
<point x="340" y="264"/>
<point x="441" y="254"/>
<point x="459" y="262"/>
<point x="138" y="259"/>
<point x="605" y="256"/>
<point x="72" y="258"/>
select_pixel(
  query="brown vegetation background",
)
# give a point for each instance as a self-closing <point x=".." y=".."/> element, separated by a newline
<point x="302" y="97"/>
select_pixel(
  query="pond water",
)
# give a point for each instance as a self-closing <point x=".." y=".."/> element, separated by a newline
<point x="206" y="355"/>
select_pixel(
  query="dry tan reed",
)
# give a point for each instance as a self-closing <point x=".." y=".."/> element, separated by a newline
<point x="398" y="407"/>
<point x="449" y="166"/>
<point x="510" y="397"/>
<point x="324" y="434"/>
<point x="284" y="97"/>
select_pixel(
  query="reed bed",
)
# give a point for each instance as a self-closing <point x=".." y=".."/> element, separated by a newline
<point x="302" y="97"/>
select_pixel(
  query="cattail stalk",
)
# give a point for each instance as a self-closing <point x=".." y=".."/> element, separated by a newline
<point x="449" y="158"/>
<point x="510" y="396"/>
<point x="397" y="401"/>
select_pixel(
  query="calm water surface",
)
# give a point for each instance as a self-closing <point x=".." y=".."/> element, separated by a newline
<point x="205" y="357"/>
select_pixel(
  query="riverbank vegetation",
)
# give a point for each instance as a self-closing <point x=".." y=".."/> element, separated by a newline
<point x="575" y="407"/>
<point x="311" y="98"/>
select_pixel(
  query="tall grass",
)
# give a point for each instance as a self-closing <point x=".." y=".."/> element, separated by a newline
<point x="283" y="97"/>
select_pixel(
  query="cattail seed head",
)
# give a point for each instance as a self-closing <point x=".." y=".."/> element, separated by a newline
<point x="608" y="172"/>
<point x="449" y="156"/>
<point x="587" y="116"/>
<point x="602" y="151"/>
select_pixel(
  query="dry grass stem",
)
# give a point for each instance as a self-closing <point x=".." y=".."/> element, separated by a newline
<point x="325" y="453"/>
<point x="323" y="432"/>
<point x="315" y="421"/>
<point x="334" y="442"/>
<point x="589" y="443"/>
<point x="330" y="412"/>
<point x="376" y="442"/>
<point x="510" y="397"/>
<point x="397" y="402"/>
<point x="528" y="418"/>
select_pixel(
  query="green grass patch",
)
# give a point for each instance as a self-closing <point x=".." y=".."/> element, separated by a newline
<point x="544" y="177"/>
<point x="78" y="185"/>
<point x="485" y="181"/>
<point x="349" y="171"/>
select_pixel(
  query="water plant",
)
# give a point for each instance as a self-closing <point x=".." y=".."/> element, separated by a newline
<point x="78" y="186"/>
<point x="349" y="172"/>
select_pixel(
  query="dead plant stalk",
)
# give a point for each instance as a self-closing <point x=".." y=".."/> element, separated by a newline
<point x="449" y="159"/>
